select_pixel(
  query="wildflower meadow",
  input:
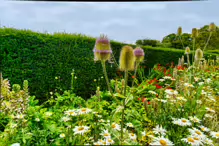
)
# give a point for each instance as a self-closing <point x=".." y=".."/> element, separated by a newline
<point x="177" y="104"/>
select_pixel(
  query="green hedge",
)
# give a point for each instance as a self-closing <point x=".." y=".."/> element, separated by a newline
<point x="40" y="58"/>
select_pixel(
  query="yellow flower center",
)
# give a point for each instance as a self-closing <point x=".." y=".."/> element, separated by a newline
<point x="106" y="134"/>
<point x="83" y="110"/>
<point x="184" y="121"/>
<point x="196" y="138"/>
<point x="190" y="139"/>
<point x="71" y="113"/>
<point x="109" y="140"/>
<point x="80" y="128"/>
<point x="163" y="142"/>
<point x="198" y="132"/>
<point x="203" y="129"/>
<point x="114" y="126"/>
<point x="104" y="142"/>
<point x="217" y="134"/>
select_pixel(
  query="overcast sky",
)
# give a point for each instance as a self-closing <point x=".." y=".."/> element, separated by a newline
<point x="121" y="21"/>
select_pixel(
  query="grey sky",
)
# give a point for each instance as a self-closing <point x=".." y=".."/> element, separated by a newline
<point x="121" y="21"/>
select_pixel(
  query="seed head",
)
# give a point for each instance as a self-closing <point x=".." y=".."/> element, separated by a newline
<point x="127" y="59"/>
<point x="198" y="54"/>
<point x="194" y="33"/>
<point x="179" y="31"/>
<point x="212" y="27"/>
<point x="139" y="54"/>
<point x="102" y="50"/>
<point x="187" y="50"/>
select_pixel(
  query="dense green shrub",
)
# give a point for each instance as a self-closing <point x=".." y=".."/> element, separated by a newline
<point x="39" y="58"/>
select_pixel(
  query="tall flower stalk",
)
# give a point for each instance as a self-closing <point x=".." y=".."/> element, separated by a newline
<point x="139" y="57"/>
<point x="212" y="27"/>
<point x="127" y="60"/>
<point x="102" y="52"/>
<point x="179" y="33"/>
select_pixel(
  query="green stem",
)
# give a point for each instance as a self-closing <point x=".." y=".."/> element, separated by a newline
<point x="107" y="80"/>
<point x="193" y="56"/>
<point x="72" y="82"/>
<point x="123" y="110"/>
<point x="136" y="68"/>
<point x="181" y="41"/>
<point x="207" y="41"/>
<point x="105" y="74"/>
<point x="188" y="60"/>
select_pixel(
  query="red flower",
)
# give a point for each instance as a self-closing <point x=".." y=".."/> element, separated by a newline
<point x="158" y="86"/>
<point x="144" y="99"/>
<point x="133" y="77"/>
<point x="180" y="68"/>
<point x="149" y="102"/>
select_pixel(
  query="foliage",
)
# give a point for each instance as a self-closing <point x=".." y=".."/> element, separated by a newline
<point x="46" y="61"/>
<point x="148" y="42"/>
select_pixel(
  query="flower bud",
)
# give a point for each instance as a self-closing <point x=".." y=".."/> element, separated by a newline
<point x="194" y="33"/>
<point x="212" y="27"/>
<point x="127" y="59"/>
<point x="179" y="31"/>
<point x="198" y="54"/>
<point x="187" y="50"/>
<point x="16" y="88"/>
<point x="182" y="60"/>
<point x="139" y="54"/>
<point x="102" y="50"/>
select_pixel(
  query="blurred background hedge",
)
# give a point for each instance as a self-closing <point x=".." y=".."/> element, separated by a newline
<point x="40" y="57"/>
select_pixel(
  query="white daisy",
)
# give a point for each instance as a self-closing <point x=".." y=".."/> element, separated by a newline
<point x="214" y="134"/>
<point x="171" y="92"/>
<point x="181" y="98"/>
<point x="110" y="141"/>
<point x="161" y="80"/>
<point x="130" y="125"/>
<point x="152" y="92"/>
<point x="132" y="136"/>
<point x="84" y="111"/>
<point x="20" y="116"/>
<point x="159" y="130"/>
<point x="191" y="140"/>
<point x="182" y="122"/>
<point x="194" y="119"/>
<point x="37" y="119"/>
<point x="106" y="134"/>
<point x="200" y="83"/>
<point x="161" y="141"/>
<point x="116" y="126"/>
<point x="65" y="119"/>
<point x="143" y="133"/>
<point x="203" y="128"/>
<point x="210" y="110"/>
<point x="62" y="135"/>
<point x="80" y="129"/>
<point x="197" y="133"/>
<point x="71" y="113"/>
<point x="188" y="85"/>
<point x="208" y="141"/>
